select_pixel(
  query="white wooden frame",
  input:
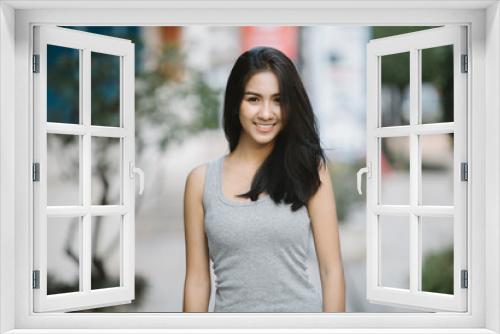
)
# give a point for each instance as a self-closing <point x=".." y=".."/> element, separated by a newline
<point x="85" y="43"/>
<point x="414" y="43"/>
<point x="483" y="20"/>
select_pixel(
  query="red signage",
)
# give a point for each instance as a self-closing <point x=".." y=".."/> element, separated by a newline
<point x="285" y="39"/>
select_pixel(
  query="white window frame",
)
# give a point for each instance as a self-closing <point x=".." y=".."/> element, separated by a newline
<point x="413" y="213"/>
<point x="16" y="126"/>
<point x="85" y="43"/>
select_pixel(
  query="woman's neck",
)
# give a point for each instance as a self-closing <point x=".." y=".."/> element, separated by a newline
<point x="251" y="155"/>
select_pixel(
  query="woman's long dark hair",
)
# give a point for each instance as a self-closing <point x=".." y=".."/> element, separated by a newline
<point x="290" y="172"/>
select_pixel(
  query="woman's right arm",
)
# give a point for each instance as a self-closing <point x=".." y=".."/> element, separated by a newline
<point x="197" y="285"/>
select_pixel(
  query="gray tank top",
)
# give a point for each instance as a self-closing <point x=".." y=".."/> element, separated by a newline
<point x="259" y="251"/>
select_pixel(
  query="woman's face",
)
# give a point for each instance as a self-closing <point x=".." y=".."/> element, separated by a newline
<point x="260" y="112"/>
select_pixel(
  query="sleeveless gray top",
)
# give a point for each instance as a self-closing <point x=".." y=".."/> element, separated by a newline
<point x="259" y="251"/>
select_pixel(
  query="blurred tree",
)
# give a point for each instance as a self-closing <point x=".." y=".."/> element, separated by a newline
<point x="438" y="70"/>
<point x="161" y="90"/>
<point x="172" y="101"/>
<point x="398" y="73"/>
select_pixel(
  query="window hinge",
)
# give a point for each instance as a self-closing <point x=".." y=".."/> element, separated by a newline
<point x="465" y="64"/>
<point x="36" y="172"/>
<point x="465" y="279"/>
<point x="36" y="279"/>
<point x="36" y="63"/>
<point x="464" y="172"/>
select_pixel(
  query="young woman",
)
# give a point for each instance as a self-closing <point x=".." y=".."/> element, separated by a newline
<point x="252" y="211"/>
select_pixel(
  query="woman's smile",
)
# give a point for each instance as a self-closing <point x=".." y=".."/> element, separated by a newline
<point x="264" y="127"/>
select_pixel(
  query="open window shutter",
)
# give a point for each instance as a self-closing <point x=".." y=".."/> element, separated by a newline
<point x="70" y="216"/>
<point x="408" y="218"/>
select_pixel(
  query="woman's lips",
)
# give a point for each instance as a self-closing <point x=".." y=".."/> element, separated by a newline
<point x="264" y="127"/>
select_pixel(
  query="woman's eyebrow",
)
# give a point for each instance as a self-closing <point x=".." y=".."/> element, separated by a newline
<point x="257" y="94"/>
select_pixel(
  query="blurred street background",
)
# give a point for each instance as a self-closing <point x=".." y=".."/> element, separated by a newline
<point x="181" y="73"/>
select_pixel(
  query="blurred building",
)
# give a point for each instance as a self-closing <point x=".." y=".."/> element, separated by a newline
<point x="334" y="73"/>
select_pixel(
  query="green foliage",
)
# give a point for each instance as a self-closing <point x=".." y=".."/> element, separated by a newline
<point x="396" y="70"/>
<point x="344" y="184"/>
<point x="437" y="272"/>
<point x="162" y="89"/>
<point x="437" y="67"/>
<point x="382" y="32"/>
<point x="208" y="106"/>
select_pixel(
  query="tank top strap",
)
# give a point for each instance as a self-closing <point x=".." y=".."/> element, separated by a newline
<point x="212" y="176"/>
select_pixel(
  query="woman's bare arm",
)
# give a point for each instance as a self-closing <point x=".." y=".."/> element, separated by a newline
<point x="197" y="285"/>
<point x="323" y="214"/>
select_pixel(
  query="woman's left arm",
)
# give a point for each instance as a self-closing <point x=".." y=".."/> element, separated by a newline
<point x="323" y="215"/>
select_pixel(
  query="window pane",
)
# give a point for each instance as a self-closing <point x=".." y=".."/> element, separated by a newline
<point x="63" y="254"/>
<point x="395" y="77"/>
<point x="437" y="169"/>
<point x="395" y="171"/>
<point x="105" y="89"/>
<point x="106" y="249"/>
<point x="63" y="170"/>
<point x="437" y="84"/>
<point x="437" y="254"/>
<point x="63" y="85"/>
<point x="395" y="251"/>
<point x="106" y="174"/>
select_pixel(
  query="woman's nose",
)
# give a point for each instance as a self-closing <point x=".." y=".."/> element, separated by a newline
<point x="266" y="111"/>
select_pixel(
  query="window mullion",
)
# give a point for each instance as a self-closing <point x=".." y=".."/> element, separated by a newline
<point x="122" y="180"/>
<point x="81" y="169"/>
<point x="433" y="128"/>
<point x="86" y="171"/>
<point x="414" y="161"/>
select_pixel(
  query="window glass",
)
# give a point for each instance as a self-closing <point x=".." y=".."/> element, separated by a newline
<point x="437" y="84"/>
<point x="63" y="170"/>
<point x="395" y="76"/>
<point x="395" y="170"/>
<point x="437" y="169"/>
<point x="63" y="85"/>
<point x="395" y="251"/>
<point x="437" y="254"/>
<point x="106" y="251"/>
<point x="106" y="171"/>
<point x="63" y="254"/>
<point x="105" y="89"/>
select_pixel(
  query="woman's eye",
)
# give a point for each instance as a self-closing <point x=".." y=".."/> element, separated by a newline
<point x="252" y="99"/>
<point x="277" y="100"/>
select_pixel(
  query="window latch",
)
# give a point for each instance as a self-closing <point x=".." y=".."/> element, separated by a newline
<point x="134" y="170"/>
<point x="368" y="171"/>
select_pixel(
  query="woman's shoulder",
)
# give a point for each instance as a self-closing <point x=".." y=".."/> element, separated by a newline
<point x="197" y="174"/>
<point x="196" y="177"/>
<point x="194" y="183"/>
